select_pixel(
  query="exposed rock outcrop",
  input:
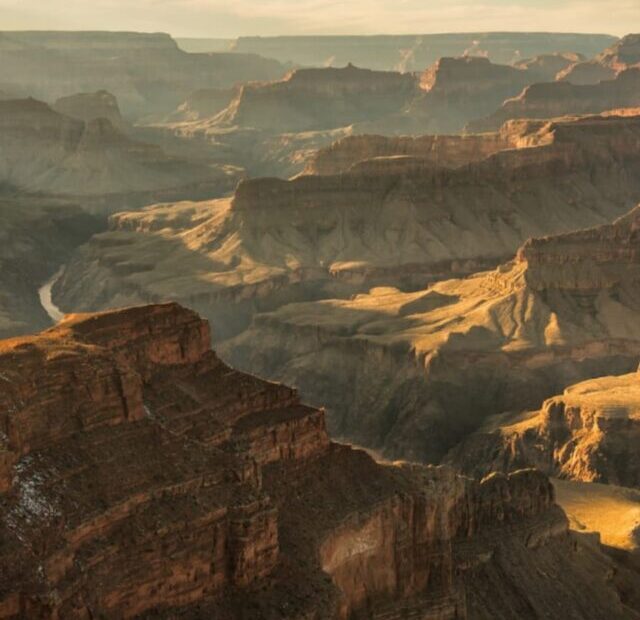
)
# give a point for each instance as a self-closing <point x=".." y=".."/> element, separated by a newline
<point x="44" y="151"/>
<point x="311" y="99"/>
<point x="624" y="54"/>
<point x="547" y="66"/>
<point x="143" y="477"/>
<point x="91" y="106"/>
<point x="589" y="433"/>
<point x="387" y="221"/>
<point x="547" y="100"/>
<point x="203" y="104"/>
<point x="411" y="373"/>
<point x="148" y="73"/>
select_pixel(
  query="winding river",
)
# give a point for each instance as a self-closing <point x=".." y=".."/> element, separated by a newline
<point x="44" y="292"/>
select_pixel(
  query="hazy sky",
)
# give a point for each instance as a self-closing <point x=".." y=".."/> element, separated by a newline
<point x="231" y="18"/>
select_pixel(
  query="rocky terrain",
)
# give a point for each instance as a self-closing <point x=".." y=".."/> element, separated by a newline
<point x="589" y="433"/>
<point x="411" y="374"/>
<point x="42" y="150"/>
<point x="148" y="73"/>
<point x="547" y="100"/>
<point x="622" y="55"/>
<point x="389" y="220"/>
<point x="141" y="476"/>
<point x="313" y="99"/>
<point x="414" y="52"/>
<point x="91" y="106"/>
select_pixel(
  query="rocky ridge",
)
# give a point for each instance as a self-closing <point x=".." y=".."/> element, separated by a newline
<point x="44" y="151"/>
<point x="161" y="483"/>
<point x="396" y="221"/>
<point x="547" y="100"/>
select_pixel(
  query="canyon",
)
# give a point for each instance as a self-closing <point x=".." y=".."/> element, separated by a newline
<point x="240" y="506"/>
<point x="390" y="220"/>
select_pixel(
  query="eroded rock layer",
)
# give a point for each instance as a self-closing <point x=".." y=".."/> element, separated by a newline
<point x="397" y="221"/>
<point x="413" y="373"/>
<point x="142" y="477"/>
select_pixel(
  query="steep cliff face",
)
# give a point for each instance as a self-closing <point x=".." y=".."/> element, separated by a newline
<point x="396" y="221"/>
<point x="624" y="54"/>
<point x="310" y="99"/>
<point x="548" y="100"/>
<point x="203" y="104"/>
<point x="148" y="73"/>
<point x="44" y="151"/>
<point x="90" y="106"/>
<point x="457" y="90"/>
<point x="142" y="477"/>
<point x="412" y="374"/>
<point x="589" y="433"/>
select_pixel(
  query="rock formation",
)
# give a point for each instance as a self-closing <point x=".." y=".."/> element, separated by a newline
<point x="143" y="477"/>
<point x="203" y="104"/>
<point x="624" y="54"/>
<point x="412" y="374"/>
<point x="148" y="73"/>
<point x="91" y="106"/>
<point x="44" y="151"/>
<point x="414" y="52"/>
<point x="546" y="67"/>
<point x="387" y="221"/>
<point x="547" y="100"/>
<point x="457" y="90"/>
<point x="589" y="433"/>
<point x="311" y="99"/>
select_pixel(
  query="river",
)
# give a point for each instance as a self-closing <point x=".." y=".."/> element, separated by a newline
<point x="44" y="292"/>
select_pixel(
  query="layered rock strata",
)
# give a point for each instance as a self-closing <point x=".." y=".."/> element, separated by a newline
<point x="412" y="374"/>
<point x="396" y="221"/>
<point x="42" y="150"/>
<point x="548" y="100"/>
<point x="142" y="477"/>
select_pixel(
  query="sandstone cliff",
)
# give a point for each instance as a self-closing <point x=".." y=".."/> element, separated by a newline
<point x="42" y="150"/>
<point x="547" y="100"/>
<point x="141" y="477"/>
<point x="148" y="73"/>
<point x="396" y="221"/>
<point x="589" y="433"/>
<point x="412" y="374"/>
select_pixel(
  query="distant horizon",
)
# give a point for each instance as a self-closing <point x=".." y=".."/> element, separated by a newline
<point x="220" y="19"/>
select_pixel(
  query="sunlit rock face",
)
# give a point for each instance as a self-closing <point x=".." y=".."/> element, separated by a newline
<point x="141" y="476"/>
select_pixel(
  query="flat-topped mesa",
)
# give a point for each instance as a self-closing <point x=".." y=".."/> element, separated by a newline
<point x="89" y="106"/>
<point x="592" y="259"/>
<point x="555" y="99"/>
<point x="319" y="99"/>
